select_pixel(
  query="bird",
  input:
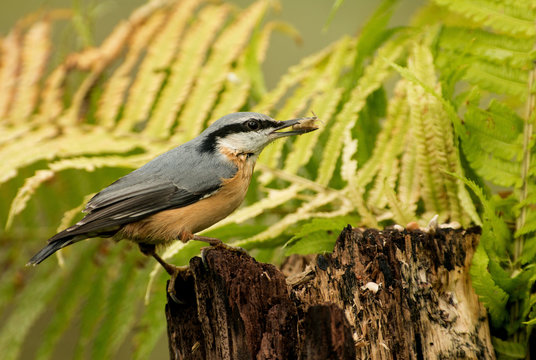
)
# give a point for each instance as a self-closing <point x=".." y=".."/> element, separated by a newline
<point x="182" y="191"/>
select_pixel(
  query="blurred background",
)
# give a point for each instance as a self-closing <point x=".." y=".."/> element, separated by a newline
<point x="310" y="19"/>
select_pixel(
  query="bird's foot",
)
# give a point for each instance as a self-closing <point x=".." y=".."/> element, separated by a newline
<point x="177" y="270"/>
<point x="218" y="243"/>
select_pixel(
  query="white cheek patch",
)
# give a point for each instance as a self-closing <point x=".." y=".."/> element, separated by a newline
<point x="244" y="142"/>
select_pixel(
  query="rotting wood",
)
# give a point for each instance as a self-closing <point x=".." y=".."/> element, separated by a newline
<point x="380" y="295"/>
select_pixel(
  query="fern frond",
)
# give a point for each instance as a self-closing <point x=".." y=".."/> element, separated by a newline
<point x="496" y="130"/>
<point x="151" y="73"/>
<point x="319" y="80"/>
<point x="14" y="159"/>
<point x="487" y="46"/>
<point x="9" y="134"/>
<point x="185" y="68"/>
<point x="450" y="113"/>
<point x="491" y="295"/>
<point x="52" y="95"/>
<point x="303" y="148"/>
<point x="293" y="76"/>
<point x="515" y="18"/>
<point x="211" y="78"/>
<point x="306" y="211"/>
<point x="264" y="39"/>
<point x="409" y="186"/>
<point x="237" y="85"/>
<point x="530" y="224"/>
<point x="349" y="165"/>
<point x="323" y="105"/>
<point x="11" y="54"/>
<point x="35" y="53"/>
<point x="82" y="163"/>
<point x="314" y="237"/>
<point x="41" y="145"/>
<point x="497" y="78"/>
<point x="97" y="60"/>
<point x="295" y="105"/>
<point x="115" y="89"/>
<point x="403" y="213"/>
<point x="371" y="80"/>
<point x="389" y="145"/>
<point x="273" y="199"/>
<point x="25" y="193"/>
<point x="424" y="122"/>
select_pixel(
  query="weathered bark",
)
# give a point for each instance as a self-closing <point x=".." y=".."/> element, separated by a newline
<point x="380" y="295"/>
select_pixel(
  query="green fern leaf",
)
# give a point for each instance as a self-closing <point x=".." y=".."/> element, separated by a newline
<point x="530" y="224"/>
<point x="497" y="130"/>
<point x="512" y="350"/>
<point x="487" y="46"/>
<point x="306" y="211"/>
<point x="372" y="79"/>
<point x="514" y="20"/>
<point x="492" y="296"/>
<point x="497" y="78"/>
<point x="316" y="242"/>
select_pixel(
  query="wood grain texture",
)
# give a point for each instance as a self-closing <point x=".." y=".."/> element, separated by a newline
<point x="380" y="295"/>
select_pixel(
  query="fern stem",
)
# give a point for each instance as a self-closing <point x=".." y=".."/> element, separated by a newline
<point x="528" y="129"/>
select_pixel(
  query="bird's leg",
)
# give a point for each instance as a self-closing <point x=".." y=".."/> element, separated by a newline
<point x="172" y="270"/>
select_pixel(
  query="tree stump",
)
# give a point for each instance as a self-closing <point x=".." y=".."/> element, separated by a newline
<point x="380" y="295"/>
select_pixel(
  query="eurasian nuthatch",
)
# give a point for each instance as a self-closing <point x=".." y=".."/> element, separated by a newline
<point x="182" y="191"/>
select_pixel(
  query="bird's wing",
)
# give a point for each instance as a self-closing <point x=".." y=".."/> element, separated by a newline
<point x="110" y="209"/>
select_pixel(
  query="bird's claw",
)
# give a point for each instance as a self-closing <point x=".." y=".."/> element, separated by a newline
<point x="171" y="284"/>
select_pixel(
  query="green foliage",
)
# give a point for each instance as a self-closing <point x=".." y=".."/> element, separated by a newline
<point x="316" y="236"/>
<point x="380" y="156"/>
<point x="492" y="55"/>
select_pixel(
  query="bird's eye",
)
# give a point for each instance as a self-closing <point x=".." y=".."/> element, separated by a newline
<point x="252" y="124"/>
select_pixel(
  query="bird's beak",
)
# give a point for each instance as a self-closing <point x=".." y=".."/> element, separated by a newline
<point x="299" y="126"/>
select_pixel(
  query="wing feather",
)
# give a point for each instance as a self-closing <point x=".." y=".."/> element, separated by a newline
<point x="109" y="210"/>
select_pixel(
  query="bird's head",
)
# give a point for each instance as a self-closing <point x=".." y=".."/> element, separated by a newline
<point x="247" y="132"/>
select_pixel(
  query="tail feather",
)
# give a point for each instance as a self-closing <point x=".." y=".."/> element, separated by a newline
<point x="67" y="237"/>
<point x="50" y="249"/>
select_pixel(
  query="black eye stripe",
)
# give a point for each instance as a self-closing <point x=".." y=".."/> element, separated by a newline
<point x="264" y="124"/>
<point x="209" y="143"/>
